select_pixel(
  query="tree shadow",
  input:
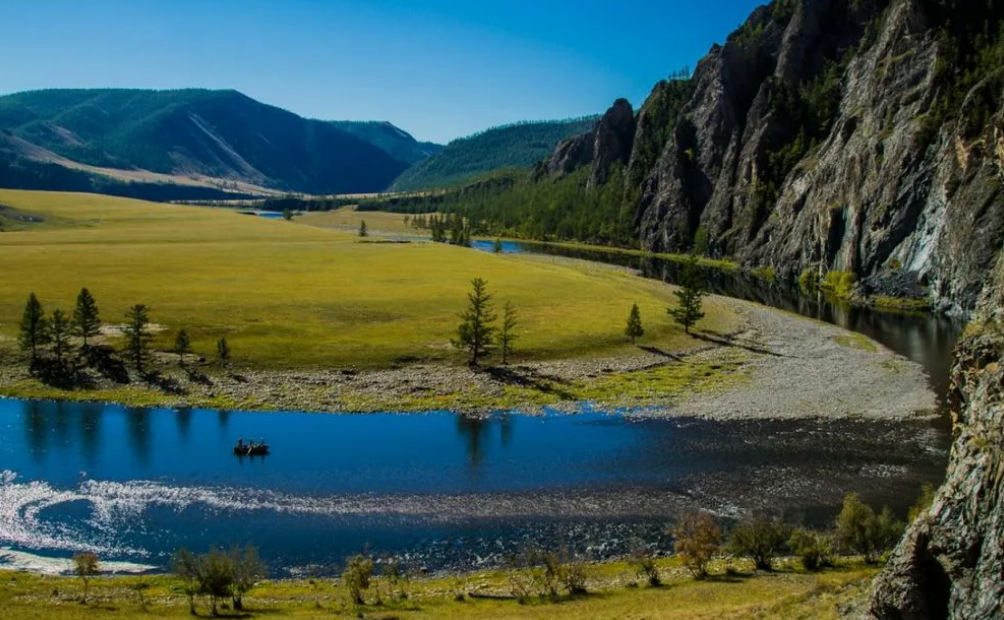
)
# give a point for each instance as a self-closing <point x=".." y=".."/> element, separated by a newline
<point x="529" y="379"/>
<point x="660" y="352"/>
<point x="63" y="375"/>
<point x="727" y="340"/>
<point x="168" y="385"/>
<point x="102" y="359"/>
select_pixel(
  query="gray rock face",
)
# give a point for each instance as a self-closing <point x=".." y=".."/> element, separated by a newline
<point x="571" y="154"/>
<point x="950" y="565"/>
<point x="875" y="187"/>
<point x="614" y="137"/>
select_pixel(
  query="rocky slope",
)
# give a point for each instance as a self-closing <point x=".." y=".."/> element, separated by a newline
<point x="832" y="135"/>
<point x="950" y="565"/>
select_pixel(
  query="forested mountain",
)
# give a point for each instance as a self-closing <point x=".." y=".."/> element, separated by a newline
<point x="517" y="145"/>
<point x="214" y="138"/>
<point x="395" y="141"/>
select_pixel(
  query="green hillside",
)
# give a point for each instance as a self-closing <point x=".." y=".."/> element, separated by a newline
<point x="517" y="145"/>
<point x="395" y="141"/>
<point x="192" y="133"/>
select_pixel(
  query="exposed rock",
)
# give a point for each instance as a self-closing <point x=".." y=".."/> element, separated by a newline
<point x="950" y="565"/>
<point x="613" y="141"/>
<point x="571" y="154"/>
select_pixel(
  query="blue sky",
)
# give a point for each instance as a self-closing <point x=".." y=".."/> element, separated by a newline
<point x="440" y="69"/>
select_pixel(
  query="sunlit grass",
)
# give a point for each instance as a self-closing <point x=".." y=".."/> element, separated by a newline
<point x="288" y="295"/>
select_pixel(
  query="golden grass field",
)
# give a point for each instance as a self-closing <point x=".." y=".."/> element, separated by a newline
<point x="288" y="295"/>
<point x="785" y="595"/>
<point x="347" y="219"/>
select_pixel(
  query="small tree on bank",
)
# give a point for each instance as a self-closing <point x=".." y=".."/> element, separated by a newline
<point x="861" y="530"/>
<point x="363" y="232"/>
<point x="690" y="292"/>
<point x="138" y="336"/>
<point x="497" y="247"/>
<point x="476" y="334"/>
<point x="85" y="565"/>
<point x="287" y="215"/>
<point x="356" y="577"/>
<point x="248" y="569"/>
<point x="761" y="540"/>
<point x="60" y="334"/>
<point x="507" y="335"/>
<point x="182" y="346"/>
<point x="223" y="351"/>
<point x="86" y="320"/>
<point x="698" y="540"/>
<point x="34" y="327"/>
<point x="185" y="566"/>
<point x="634" y="330"/>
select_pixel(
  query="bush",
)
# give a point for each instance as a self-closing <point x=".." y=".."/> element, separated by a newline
<point x="924" y="503"/>
<point x="814" y="549"/>
<point x="760" y="540"/>
<point x="643" y="560"/>
<point x="840" y="283"/>
<point x="698" y="540"/>
<point x="356" y="577"/>
<point x="862" y="531"/>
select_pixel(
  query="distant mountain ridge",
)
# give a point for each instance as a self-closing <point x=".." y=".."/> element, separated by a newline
<point x="518" y="145"/>
<point x="214" y="138"/>
<point x="395" y="141"/>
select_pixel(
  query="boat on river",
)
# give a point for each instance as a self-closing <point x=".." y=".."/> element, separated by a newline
<point x="250" y="449"/>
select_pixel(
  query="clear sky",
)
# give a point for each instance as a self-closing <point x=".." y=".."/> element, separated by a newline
<point x="440" y="69"/>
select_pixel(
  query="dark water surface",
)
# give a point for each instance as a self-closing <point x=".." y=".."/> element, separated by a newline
<point x="439" y="489"/>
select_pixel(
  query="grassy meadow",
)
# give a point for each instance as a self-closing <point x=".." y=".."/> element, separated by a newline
<point x="288" y="295"/>
<point x="347" y="219"/>
<point x="787" y="594"/>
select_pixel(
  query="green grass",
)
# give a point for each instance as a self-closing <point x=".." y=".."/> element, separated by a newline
<point x="787" y="594"/>
<point x="899" y="304"/>
<point x="852" y="340"/>
<point x="347" y="219"/>
<point x="290" y="296"/>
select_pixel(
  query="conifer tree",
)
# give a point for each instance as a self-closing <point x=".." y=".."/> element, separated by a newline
<point x="507" y="335"/>
<point x="634" y="329"/>
<point x="34" y="327"/>
<point x="222" y="351"/>
<point x="182" y="346"/>
<point x="476" y="334"/>
<point x="690" y="291"/>
<point x="497" y="248"/>
<point x="86" y="322"/>
<point x="363" y="232"/>
<point x="59" y="328"/>
<point x="137" y="336"/>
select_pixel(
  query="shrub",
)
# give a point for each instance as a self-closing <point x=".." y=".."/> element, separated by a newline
<point x="216" y="577"/>
<point x="814" y="549"/>
<point x="643" y="560"/>
<point x="760" y="540"/>
<point x="698" y="540"/>
<point x="356" y="577"/>
<point x="924" y="503"/>
<point x="862" y="531"/>
<point x="808" y="281"/>
<point x="85" y="565"/>
<point x="840" y="283"/>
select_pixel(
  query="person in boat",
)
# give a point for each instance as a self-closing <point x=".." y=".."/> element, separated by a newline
<point x="240" y="443"/>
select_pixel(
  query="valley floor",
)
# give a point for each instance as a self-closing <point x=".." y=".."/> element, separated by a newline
<point x="614" y="592"/>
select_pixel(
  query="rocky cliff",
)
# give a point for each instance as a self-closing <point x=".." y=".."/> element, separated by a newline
<point x="950" y="565"/>
<point x="832" y="135"/>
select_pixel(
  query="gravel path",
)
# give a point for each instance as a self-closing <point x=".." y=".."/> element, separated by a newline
<point x="814" y="369"/>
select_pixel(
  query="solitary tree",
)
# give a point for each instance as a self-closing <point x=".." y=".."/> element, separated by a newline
<point x="510" y="321"/>
<point x="634" y="330"/>
<point x="690" y="291"/>
<point x="185" y="566"/>
<point x="137" y="336"/>
<point x="248" y="570"/>
<point x="698" y="540"/>
<point x="86" y="322"/>
<point x="363" y="232"/>
<point x="216" y="577"/>
<point x="759" y="539"/>
<point x="287" y="215"/>
<point x="182" y="346"/>
<point x="476" y="334"/>
<point x="59" y="327"/>
<point x="34" y="327"/>
<point x="356" y="577"/>
<point x="497" y="248"/>
<point x="861" y="530"/>
<point x="85" y="565"/>
<point x="222" y="351"/>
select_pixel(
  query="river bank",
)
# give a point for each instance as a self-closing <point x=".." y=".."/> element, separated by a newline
<point x="774" y="365"/>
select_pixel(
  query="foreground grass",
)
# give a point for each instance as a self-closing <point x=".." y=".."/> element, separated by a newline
<point x="291" y="296"/>
<point x="787" y="594"/>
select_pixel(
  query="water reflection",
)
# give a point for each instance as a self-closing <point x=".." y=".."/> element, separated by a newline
<point x="139" y="433"/>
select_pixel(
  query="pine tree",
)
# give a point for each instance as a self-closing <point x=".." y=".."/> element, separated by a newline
<point x="362" y="229"/>
<point x="222" y="351"/>
<point x="510" y="320"/>
<point x="182" y="346"/>
<point x="690" y="291"/>
<point x="497" y="248"/>
<point x="476" y="333"/>
<point x="34" y="327"/>
<point x="287" y="215"/>
<point x="59" y="327"/>
<point x="86" y="322"/>
<point x="634" y="330"/>
<point x="137" y="336"/>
